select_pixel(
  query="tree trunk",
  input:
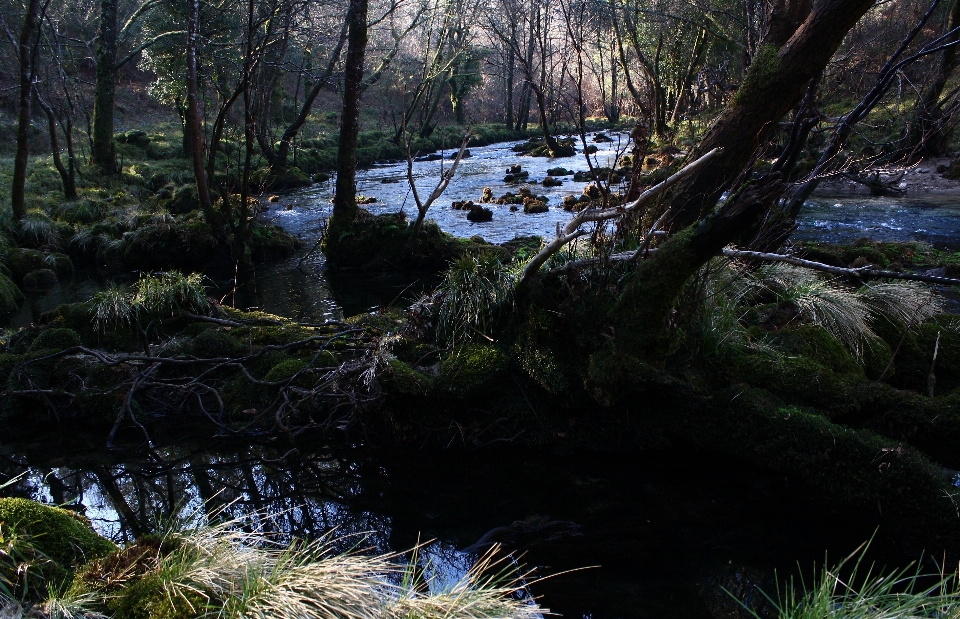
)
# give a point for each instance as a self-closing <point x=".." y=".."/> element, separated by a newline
<point x="24" y="51"/>
<point x="69" y="186"/>
<point x="193" y="110"/>
<point x="104" y="153"/>
<point x="775" y="83"/>
<point x="345" y="200"/>
<point x="510" y="66"/>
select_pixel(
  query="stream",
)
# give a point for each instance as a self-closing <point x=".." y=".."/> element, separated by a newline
<point x="652" y="534"/>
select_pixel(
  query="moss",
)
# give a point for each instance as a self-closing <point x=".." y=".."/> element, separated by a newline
<point x="801" y="378"/>
<point x="61" y="535"/>
<point x="471" y="368"/>
<point x="57" y="338"/>
<point x="184" y="200"/>
<point x="41" y="279"/>
<point x="10" y="297"/>
<point x="131" y="585"/>
<point x="611" y="374"/>
<point x="818" y="344"/>
<point x="186" y="245"/>
<point x="886" y="478"/>
<point x="650" y="295"/>
<point x="216" y="343"/>
<point x="385" y="320"/>
<point x="23" y="261"/>
<point x="763" y="69"/>
<point x="288" y="178"/>
<point x="284" y="370"/>
<point x="269" y="242"/>
<point x="8" y="361"/>
<point x="400" y="379"/>
<point x="146" y="598"/>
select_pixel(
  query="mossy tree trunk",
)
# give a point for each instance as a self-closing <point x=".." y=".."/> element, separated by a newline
<point x="774" y="84"/>
<point x="345" y="201"/>
<point x="651" y="291"/>
<point x="103" y="152"/>
<point x="25" y="56"/>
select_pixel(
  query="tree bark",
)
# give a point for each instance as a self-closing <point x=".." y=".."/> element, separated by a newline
<point x="104" y="153"/>
<point x="24" y="51"/>
<point x="193" y="110"/>
<point x="345" y="201"/>
<point x="66" y="176"/>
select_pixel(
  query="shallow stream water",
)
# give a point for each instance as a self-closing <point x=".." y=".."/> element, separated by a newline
<point x="660" y="534"/>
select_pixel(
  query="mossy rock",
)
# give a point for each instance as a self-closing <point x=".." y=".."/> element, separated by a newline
<point x="214" y="343"/>
<point x="285" y="370"/>
<point x="269" y="243"/>
<point x="288" y="178"/>
<point x="399" y="379"/>
<point x="57" y="338"/>
<point x="8" y="361"/>
<point x="186" y="245"/>
<point x="184" y="200"/>
<point x="471" y="368"/>
<point x="136" y="137"/>
<point x="818" y="344"/>
<point x="23" y="261"/>
<point x="63" y="536"/>
<point x="10" y="297"/>
<point x="40" y="280"/>
<point x="886" y="479"/>
<point x="131" y="586"/>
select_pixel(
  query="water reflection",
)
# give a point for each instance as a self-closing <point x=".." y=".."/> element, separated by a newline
<point x="666" y="529"/>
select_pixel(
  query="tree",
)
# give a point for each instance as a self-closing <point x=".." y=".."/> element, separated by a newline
<point x="193" y="107"/>
<point x="26" y="45"/>
<point x="103" y="152"/>
<point x="110" y="36"/>
<point x="345" y="201"/>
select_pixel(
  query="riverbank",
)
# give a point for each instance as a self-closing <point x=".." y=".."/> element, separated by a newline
<point x="928" y="177"/>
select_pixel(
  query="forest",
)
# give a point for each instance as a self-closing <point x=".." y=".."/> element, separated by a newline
<point x="479" y="308"/>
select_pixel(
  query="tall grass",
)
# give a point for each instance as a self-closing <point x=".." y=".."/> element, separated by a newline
<point x="475" y="293"/>
<point x="160" y="294"/>
<point x="854" y="591"/>
<point x="222" y="571"/>
<point x="849" y="314"/>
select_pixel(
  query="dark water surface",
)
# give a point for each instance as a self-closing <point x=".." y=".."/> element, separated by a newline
<point x="661" y="534"/>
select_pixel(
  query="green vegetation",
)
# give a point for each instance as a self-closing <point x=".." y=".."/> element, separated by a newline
<point x="853" y="590"/>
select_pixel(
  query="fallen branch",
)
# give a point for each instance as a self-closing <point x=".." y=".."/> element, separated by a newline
<point x="859" y="272"/>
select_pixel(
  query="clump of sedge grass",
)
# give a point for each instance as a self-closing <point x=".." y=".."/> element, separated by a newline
<point x="854" y="591"/>
<point x="225" y="572"/>
<point x="160" y="294"/>
<point x="475" y="293"/>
